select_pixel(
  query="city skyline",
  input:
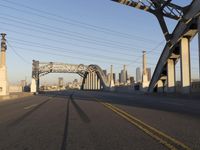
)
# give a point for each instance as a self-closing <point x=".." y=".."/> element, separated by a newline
<point x="83" y="33"/>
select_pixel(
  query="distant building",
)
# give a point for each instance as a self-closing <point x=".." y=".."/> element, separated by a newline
<point x="105" y="72"/>
<point x="114" y="77"/>
<point x="124" y="75"/>
<point x="138" y="75"/>
<point x="120" y="78"/>
<point x="132" y="80"/>
<point x="109" y="77"/>
<point x="60" y="82"/>
<point x="149" y="73"/>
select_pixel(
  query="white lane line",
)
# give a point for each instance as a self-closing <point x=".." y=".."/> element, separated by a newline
<point x="28" y="107"/>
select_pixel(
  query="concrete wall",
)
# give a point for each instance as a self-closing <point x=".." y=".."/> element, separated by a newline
<point x="15" y="88"/>
<point x="195" y="87"/>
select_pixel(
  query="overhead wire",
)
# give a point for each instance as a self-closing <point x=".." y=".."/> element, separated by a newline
<point x="73" y="22"/>
<point x="17" y="54"/>
<point x="62" y="49"/>
<point x="63" y="30"/>
<point x="76" y="38"/>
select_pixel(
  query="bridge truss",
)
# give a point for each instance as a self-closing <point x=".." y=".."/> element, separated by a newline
<point x="93" y="76"/>
<point x="177" y="42"/>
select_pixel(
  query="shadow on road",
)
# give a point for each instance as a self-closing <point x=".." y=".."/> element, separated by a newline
<point x="28" y="113"/>
<point x="64" y="141"/>
<point x="81" y="113"/>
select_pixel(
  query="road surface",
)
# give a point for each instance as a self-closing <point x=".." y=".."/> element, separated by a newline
<point x="85" y="120"/>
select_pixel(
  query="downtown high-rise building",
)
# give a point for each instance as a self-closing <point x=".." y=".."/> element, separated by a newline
<point x="60" y="82"/>
<point x="105" y="72"/>
<point x="138" y="75"/>
<point x="123" y="75"/>
<point x="149" y="74"/>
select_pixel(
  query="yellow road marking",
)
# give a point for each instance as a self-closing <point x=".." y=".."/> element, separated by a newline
<point x="154" y="133"/>
<point x="28" y="107"/>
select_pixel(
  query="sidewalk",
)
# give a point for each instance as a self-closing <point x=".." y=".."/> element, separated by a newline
<point x="13" y="96"/>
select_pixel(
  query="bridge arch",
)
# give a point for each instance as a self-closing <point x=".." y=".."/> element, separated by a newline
<point x="93" y="76"/>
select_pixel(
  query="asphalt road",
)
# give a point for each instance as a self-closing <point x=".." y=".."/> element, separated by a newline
<point x="78" y="120"/>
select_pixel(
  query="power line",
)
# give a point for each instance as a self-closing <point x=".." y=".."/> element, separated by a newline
<point x="72" y="21"/>
<point x="67" y="36"/>
<point x="83" y="54"/>
<point x="61" y="30"/>
<point x="49" y="47"/>
<point x="58" y="41"/>
<point x="68" y="56"/>
<point x="22" y="58"/>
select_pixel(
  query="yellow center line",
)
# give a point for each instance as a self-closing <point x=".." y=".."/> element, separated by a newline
<point x="168" y="141"/>
<point x="154" y="133"/>
<point x="151" y="128"/>
<point x="30" y="106"/>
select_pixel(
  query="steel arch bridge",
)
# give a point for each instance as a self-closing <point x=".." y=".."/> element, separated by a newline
<point x="93" y="76"/>
<point x="177" y="43"/>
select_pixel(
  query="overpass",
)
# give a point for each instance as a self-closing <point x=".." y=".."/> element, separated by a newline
<point x="93" y="76"/>
<point x="177" y="43"/>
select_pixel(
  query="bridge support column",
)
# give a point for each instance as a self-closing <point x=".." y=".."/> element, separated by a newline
<point x="34" y="85"/>
<point x="199" y="43"/>
<point x="94" y="81"/>
<point x="4" y="85"/>
<point x="91" y="82"/>
<point x="99" y="84"/>
<point x="170" y="76"/>
<point x="87" y="83"/>
<point x="35" y="77"/>
<point x="185" y="66"/>
<point x="160" y="86"/>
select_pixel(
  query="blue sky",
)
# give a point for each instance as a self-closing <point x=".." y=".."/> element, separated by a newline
<point x="89" y="32"/>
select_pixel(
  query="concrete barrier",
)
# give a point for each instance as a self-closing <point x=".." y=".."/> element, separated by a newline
<point x="13" y="96"/>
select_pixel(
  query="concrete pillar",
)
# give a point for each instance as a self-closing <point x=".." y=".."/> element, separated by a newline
<point x="111" y="76"/>
<point x="199" y="43"/>
<point x="185" y="66"/>
<point x="85" y="83"/>
<point x="35" y="83"/>
<point x="144" y="63"/>
<point x="93" y="73"/>
<point x="170" y="76"/>
<point x="96" y="88"/>
<point x="145" y="82"/>
<point x="33" y="86"/>
<point x="99" y="84"/>
<point x="160" y="86"/>
<point x="94" y="81"/>
<point x="4" y="85"/>
<point x="88" y="79"/>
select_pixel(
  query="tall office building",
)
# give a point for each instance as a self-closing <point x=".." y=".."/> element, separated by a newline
<point x="145" y="81"/>
<point x="120" y="78"/>
<point x="114" y="77"/>
<point x="60" y="82"/>
<point x="123" y="75"/>
<point x="138" y="74"/>
<point x="149" y="73"/>
<point x="105" y="72"/>
<point x="132" y="80"/>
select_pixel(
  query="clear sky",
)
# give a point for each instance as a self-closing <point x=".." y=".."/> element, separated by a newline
<point x="81" y="32"/>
